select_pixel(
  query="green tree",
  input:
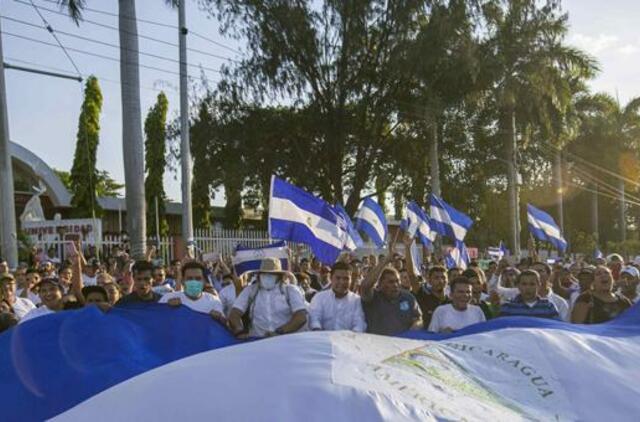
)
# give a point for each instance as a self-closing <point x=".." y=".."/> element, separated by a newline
<point x="106" y="187"/>
<point x="155" y="129"/>
<point x="84" y="175"/>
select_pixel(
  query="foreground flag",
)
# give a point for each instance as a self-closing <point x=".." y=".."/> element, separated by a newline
<point x="543" y="227"/>
<point x="249" y="259"/>
<point x="352" y="239"/>
<point x="417" y="223"/>
<point x="458" y="257"/>
<point x="298" y="216"/>
<point x="88" y="365"/>
<point x="371" y="220"/>
<point x="447" y="220"/>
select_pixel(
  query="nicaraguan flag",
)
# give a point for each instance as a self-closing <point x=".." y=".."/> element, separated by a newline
<point x="352" y="240"/>
<point x="418" y="223"/>
<point x="499" y="252"/>
<point x="145" y="361"/>
<point x="371" y="220"/>
<point x="249" y="259"/>
<point x="458" y="257"/>
<point x="447" y="220"/>
<point x="597" y="254"/>
<point x="544" y="228"/>
<point x="298" y="216"/>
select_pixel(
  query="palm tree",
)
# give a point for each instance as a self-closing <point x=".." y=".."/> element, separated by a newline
<point x="534" y="75"/>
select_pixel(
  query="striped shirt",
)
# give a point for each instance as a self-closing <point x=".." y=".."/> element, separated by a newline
<point x="541" y="308"/>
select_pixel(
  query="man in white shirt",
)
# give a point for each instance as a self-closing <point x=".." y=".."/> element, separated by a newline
<point x="89" y="274"/>
<point x="459" y="313"/>
<point x="337" y="308"/>
<point x="21" y="306"/>
<point x="545" y="291"/>
<point x="275" y="307"/>
<point x="31" y="280"/>
<point x="51" y="295"/>
<point x="503" y="281"/>
<point x="193" y="295"/>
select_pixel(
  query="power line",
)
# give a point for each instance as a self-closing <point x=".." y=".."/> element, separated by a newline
<point x="584" y="188"/>
<point x="88" y="53"/>
<point x="219" y="44"/>
<point x="93" y="40"/>
<point x="50" y="29"/>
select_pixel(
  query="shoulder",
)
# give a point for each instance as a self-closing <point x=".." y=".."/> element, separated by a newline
<point x="407" y="296"/>
<point x="24" y="302"/>
<point x="168" y="296"/>
<point x="210" y="297"/>
<point x="584" y="297"/>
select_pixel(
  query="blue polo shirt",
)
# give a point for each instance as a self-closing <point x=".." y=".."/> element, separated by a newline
<point x="542" y="308"/>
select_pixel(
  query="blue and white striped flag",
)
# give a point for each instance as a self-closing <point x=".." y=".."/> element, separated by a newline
<point x="249" y="259"/>
<point x="418" y="223"/>
<point x="544" y="228"/>
<point x="353" y="240"/>
<point x="371" y="220"/>
<point x="497" y="252"/>
<point x="458" y="257"/>
<point x="597" y="254"/>
<point x="447" y="220"/>
<point x="298" y="216"/>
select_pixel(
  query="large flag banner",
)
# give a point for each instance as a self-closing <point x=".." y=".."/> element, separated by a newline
<point x="146" y="363"/>
<point x="418" y="223"/>
<point x="544" y="228"/>
<point x="371" y="220"/>
<point x="298" y="216"/>
<point x="249" y="259"/>
<point x="447" y="220"/>
<point x="352" y="239"/>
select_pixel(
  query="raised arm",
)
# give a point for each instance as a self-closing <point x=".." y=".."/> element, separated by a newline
<point x="373" y="275"/>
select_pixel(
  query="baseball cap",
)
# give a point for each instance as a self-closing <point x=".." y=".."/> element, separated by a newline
<point x="632" y="271"/>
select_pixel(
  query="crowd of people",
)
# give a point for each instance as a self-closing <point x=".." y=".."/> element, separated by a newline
<point x="385" y="294"/>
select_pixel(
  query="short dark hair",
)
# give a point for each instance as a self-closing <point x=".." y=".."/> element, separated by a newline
<point x="471" y="273"/>
<point x="437" y="269"/>
<point x="341" y="266"/>
<point x="141" y="267"/>
<point x="87" y="290"/>
<point x="389" y="270"/>
<point x="459" y="280"/>
<point x="547" y="267"/>
<point x="304" y="260"/>
<point x="527" y="273"/>
<point x="192" y="265"/>
<point x="175" y="261"/>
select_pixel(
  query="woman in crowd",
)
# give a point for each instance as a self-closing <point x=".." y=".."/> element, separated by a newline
<point x="600" y="303"/>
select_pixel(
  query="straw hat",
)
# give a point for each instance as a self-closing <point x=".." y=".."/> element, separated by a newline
<point x="269" y="266"/>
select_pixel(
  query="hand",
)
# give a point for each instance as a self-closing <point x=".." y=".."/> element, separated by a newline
<point x="242" y="336"/>
<point x="174" y="302"/>
<point x="218" y="317"/>
<point x="494" y="298"/>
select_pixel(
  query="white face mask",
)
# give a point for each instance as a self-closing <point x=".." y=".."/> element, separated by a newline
<point x="268" y="281"/>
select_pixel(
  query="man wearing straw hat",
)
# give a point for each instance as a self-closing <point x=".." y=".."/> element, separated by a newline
<point x="275" y="306"/>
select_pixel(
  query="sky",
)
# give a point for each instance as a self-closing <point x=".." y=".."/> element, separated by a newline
<point x="43" y="111"/>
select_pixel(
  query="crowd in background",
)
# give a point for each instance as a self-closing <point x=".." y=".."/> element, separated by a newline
<point x="383" y="294"/>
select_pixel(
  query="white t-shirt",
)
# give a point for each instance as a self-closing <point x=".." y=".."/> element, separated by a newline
<point x="89" y="281"/>
<point x="37" y="312"/>
<point x="22" y="307"/>
<point x="205" y="304"/>
<point x="227" y="297"/>
<point x="271" y="310"/>
<point x="34" y="298"/>
<point x="446" y="316"/>
<point x="330" y="313"/>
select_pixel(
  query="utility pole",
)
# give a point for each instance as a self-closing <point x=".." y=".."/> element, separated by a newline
<point x="513" y="185"/>
<point x="185" y="148"/>
<point x="434" y="162"/>
<point x="623" y="216"/>
<point x="559" y="188"/>
<point x="8" y="232"/>
<point x="594" y="215"/>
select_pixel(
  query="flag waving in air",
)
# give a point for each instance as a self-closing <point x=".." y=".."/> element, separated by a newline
<point x="298" y="216"/>
<point x="418" y="223"/>
<point x="352" y="239"/>
<point x="371" y="220"/>
<point x="447" y="220"/>
<point x="249" y="259"/>
<point x="458" y="257"/>
<point x="543" y="227"/>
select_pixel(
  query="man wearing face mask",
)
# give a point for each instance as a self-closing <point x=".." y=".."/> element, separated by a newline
<point x="193" y="296"/>
<point x="275" y="307"/>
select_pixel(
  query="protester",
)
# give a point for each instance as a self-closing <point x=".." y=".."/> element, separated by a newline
<point x="90" y="270"/>
<point x="460" y="312"/>
<point x="478" y="296"/>
<point x="193" y="296"/>
<point x="29" y="288"/>
<point x="113" y="293"/>
<point x="629" y="279"/>
<point x="4" y="267"/>
<point x="337" y="308"/>
<point x="600" y="304"/>
<point x="304" y="281"/>
<point x="528" y="302"/>
<point x="51" y="296"/>
<point x="545" y="291"/>
<point x="20" y="305"/>
<point x="388" y="309"/>
<point x="142" y="285"/>
<point x="274" y="306"/>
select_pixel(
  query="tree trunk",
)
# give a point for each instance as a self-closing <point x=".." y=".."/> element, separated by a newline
<point x="8" y="234"/>
<point x="559" y="189"/>
<point x="132" y="144"/>
<point x="434" y="162"/>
